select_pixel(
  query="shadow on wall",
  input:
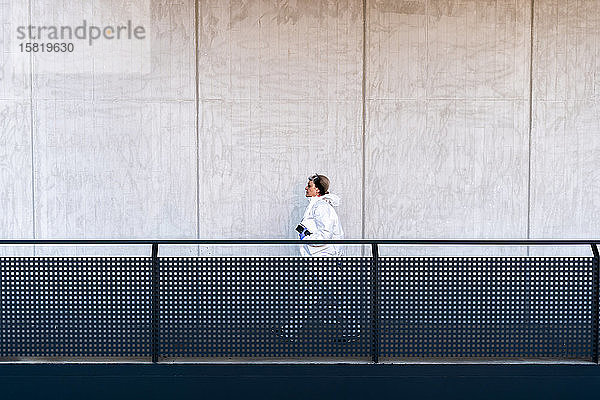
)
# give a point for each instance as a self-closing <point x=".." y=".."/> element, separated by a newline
<point x="299" y="202"/>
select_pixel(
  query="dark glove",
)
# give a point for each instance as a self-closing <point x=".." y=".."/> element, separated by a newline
<point x="302" y="231"/>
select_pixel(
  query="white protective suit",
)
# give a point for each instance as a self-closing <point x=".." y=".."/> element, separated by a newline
<point x="322" y="221"/>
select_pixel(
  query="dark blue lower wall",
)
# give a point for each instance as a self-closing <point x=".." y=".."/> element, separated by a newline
<point x="297" y="381"/>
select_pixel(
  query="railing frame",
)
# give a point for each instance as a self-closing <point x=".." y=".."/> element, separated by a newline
<point x="375" y="285"/>
<point x="374" y="275"/>
<point x="596" y="302"/>
<point x="155" y="301"/>
<point x="432" y="242"/>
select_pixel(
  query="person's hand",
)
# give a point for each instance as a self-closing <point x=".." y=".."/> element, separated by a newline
<point x="302" y="233"/>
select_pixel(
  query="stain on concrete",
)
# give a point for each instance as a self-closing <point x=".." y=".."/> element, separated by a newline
<point x="238" y="11"/>
<point x="410" y="7"/>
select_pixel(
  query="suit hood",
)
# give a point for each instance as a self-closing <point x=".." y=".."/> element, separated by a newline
<point x="332" y="199"/>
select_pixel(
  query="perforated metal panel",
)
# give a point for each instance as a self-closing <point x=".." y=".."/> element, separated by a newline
<point x="75" y="307"/>
<point x="252" y="308"/>
<point x="264" y="307"/>
<point x="486" y="307"/>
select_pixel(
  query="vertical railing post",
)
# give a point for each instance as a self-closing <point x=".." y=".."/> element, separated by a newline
<point x="375" y="335"/>
<point x="155" y="278"/>
<point x="595" y="301"/>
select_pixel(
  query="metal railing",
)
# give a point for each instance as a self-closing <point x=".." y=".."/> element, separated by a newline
<point x="365" y="308"/>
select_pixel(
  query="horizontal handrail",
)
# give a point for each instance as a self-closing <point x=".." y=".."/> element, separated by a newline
<point x="441" y="242"/>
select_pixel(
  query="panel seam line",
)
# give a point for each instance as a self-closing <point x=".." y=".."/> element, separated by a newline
<point x="364" y="114"/>
<point x="196" y="124"/>
<point x="531" y="38"/>
<point x="31" y="116"/>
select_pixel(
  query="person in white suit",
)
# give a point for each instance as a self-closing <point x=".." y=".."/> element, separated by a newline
<point x="320" y="221"/>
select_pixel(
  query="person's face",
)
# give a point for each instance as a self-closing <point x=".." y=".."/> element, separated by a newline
<point x="311" y="190"/>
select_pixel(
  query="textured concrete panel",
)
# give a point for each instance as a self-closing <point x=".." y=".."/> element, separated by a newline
<point x="16" y="203"/>
<point x="565" y="170"/>
<point x="448" y="49"/>
<point x="16" y="195"/>
<point x="115" y="170"/>
<point x="446" y="147"/>
<point x="565" y="160"/>
<point x="397" y="50"/>
<point x="566" y="58"/>
<point x="271" y="50"/>
<point x="15" y="66"/>
<point x="280" y="85"/>
<point x="166" y="71"/>
<point x="256" y="158"/>
<point x="446" y="169"/>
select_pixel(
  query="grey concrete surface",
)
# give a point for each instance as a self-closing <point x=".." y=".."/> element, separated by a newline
<point x="16" y="218"/>
<point x="280" y="92"/>
<point x="110" y="169"/>
<point x="565" y="150"/>
<point x="237" y="102"/>
<point x="168" y="75"/>
<point x="447" y="111"/>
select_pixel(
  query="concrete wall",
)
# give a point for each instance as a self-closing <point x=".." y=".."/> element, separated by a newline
<point x="239" y="101"/>
<point x="280" y="99"/>
<point x="565" y="137"/>
<point x="447" y="106"/>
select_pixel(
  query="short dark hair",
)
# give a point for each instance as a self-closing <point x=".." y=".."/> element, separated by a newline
<point x="321" y="182"/>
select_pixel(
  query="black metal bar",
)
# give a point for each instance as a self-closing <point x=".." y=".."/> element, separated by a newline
<point x="595" y="303"/>
<point x="155" y="283"/>
<point x="375" y="334"/>
<point x="433" y="242"/>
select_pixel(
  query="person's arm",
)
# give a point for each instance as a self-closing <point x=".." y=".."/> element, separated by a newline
<point x="324" y="221"/>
